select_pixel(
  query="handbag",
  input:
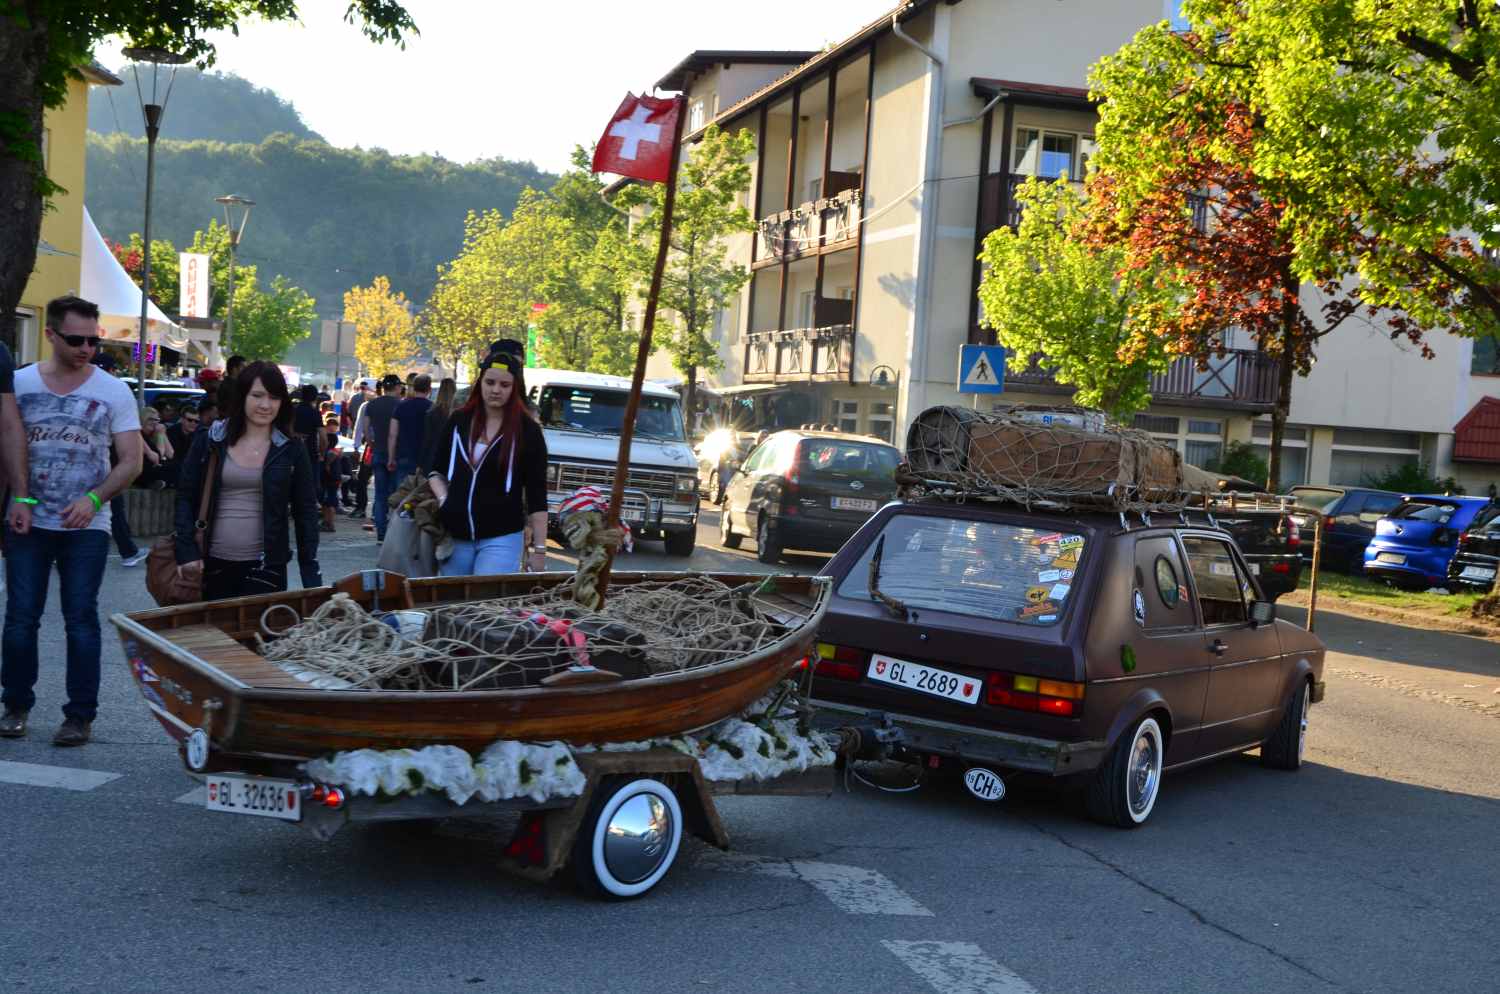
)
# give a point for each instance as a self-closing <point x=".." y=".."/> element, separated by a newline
<point x="163" y="582"/>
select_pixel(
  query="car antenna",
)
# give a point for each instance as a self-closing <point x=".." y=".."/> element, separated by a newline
<point x="895" y="606"/>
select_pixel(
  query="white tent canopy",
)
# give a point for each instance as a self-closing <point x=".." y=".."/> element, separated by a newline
<point x="105" y="282"/>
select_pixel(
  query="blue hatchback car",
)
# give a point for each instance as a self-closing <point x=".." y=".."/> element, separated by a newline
<point x="1414" y="543"/>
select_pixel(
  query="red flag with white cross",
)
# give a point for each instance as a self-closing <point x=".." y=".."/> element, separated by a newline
<point x="638" y="141"/>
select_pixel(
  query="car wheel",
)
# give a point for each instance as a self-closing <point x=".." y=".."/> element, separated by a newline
<point x="727" y="538"/>
<point x="682" y="543"/>
<point x="629" y="839"/>
<point x="713" y="486"/>
<point x="1125" y="787"/>
<point x="1284" y="749"/>
<point x="765" y="550"/>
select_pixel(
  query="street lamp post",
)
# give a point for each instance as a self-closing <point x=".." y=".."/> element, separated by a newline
<point x="235" y="208"/>
<point x="152" y="111"/>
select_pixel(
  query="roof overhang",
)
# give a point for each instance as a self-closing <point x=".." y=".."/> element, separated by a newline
<point x="680" y="75"/>
<point x="1034" y="94"/>
<point x="1476" y="437"/>
<point x="747" y="389"/>
<point x="95" y="73"/>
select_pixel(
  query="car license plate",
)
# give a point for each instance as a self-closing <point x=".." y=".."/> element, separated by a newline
<point x="1254" y="568"/>
<point x="1477" y="573"/>
<point x="926" y="679"/>
<point x="1394" y="558"/>
<point x="254" y="796"/>
<point x="853" y="504"/>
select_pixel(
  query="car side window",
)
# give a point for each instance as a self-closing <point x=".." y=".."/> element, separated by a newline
<point x="757" y="459"/>
<point x="1160" y="579"/>
<point x="1222" y="586"/>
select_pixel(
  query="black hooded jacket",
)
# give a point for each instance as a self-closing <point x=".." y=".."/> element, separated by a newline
<point x="488" y="502"/>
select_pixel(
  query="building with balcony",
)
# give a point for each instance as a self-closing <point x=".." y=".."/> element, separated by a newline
<point x="882" y="162"/>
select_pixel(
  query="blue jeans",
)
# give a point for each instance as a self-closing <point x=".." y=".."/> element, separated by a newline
<point x="119" y="527"/>
<point x="79" y="556"/>
<point x="501" y="554"/>
<point x="385" y="485"/>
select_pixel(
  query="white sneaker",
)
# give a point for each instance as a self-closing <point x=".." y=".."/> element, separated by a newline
<point x="138" y="558"/>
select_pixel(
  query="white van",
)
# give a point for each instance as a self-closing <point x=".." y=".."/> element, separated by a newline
<point x="581" y="414"/>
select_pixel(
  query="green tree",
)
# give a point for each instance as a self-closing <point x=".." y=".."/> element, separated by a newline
<point x="1240" y="459"/>
<point x="386" y="333"/>
<point x="42" y="44"/>
<point x="269" y="322"/>
<point x="699" y="282"/>
<point x="1052" y="293"/>
<point x="1374" y="131"/>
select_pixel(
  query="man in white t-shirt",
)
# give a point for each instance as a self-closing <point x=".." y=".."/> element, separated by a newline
<point x="71" y="413"/>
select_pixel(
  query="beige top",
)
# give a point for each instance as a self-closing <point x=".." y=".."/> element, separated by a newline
<point x="238" y="524"/>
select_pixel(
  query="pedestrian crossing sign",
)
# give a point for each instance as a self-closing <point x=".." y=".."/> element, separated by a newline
<point x="981" y="369"/>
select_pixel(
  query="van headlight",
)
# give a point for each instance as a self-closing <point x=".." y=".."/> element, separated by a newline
<point x="687" y="484"/>
<point x="554" y="476"/>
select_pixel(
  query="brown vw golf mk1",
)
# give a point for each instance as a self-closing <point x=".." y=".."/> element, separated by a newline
<point x="1082" y="645"/>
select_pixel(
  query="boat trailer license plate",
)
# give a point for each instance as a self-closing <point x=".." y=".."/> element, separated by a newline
<point x="253" y="796"/>
<point x="925" y="679"/>
<point x="1477" y="573"/>
<point x="853" y="504"/>
<point x="1394" y="558"/>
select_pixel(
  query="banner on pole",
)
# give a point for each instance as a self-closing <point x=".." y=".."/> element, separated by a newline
<point x="193" y="277"/>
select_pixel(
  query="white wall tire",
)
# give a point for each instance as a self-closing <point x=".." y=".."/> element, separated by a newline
<point x="1126" y="786"/>
<point x="633" y="858"/>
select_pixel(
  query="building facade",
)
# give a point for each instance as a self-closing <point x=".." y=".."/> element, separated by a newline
<point x="883" y="161"/>
<point x="58" y="258"/>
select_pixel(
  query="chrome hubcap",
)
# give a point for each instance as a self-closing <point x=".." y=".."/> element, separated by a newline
<point x="1145" y="771"/>
<point x="638" y="838"/>
<point x="1302" y="731"/>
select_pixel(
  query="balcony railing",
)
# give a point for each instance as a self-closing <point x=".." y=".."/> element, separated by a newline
<point x="1241" y="379"/>
<point x="800" y="355"/>
<point x="816" y="226"/>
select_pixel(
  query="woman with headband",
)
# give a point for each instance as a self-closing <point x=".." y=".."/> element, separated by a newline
<point x="489" y="465"/>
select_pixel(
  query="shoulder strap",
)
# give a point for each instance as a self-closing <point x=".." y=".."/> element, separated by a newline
<point x="208" y="485"/>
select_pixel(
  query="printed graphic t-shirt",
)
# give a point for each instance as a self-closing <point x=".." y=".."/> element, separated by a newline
<point x="68" y="438"/>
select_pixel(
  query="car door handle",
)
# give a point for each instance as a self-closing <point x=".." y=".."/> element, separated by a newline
<point x="1218" y="647"/>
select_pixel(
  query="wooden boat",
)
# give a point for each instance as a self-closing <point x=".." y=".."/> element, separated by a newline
<point x="197" y="668"/>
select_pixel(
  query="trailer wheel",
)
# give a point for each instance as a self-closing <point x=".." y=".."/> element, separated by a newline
<point x="629" y="839"/>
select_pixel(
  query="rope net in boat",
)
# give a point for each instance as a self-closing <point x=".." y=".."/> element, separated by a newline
<point x="1050" y="456"/>
<point x="643" y="629"/>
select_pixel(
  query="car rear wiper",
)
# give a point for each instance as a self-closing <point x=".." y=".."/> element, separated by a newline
<point x="896" y="607"/>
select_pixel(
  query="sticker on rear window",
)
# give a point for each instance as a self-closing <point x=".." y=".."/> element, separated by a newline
<point x="1059" y="592"/>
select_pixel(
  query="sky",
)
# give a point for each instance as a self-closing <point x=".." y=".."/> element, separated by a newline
<point x="515" y="79"/>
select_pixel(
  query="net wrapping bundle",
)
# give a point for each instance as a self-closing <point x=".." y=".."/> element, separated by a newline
<point x="643" y="630"/>
<point x="1067" y="456"/>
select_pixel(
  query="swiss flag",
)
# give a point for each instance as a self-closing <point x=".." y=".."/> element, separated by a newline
<point x="638" y="141"/>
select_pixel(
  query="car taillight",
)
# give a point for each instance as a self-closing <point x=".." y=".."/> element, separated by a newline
<point x="840" y="662"/>
<point x="1328" y="522"/>
<point x="1293" y="533"/>
<point x="1464" y="539"/>
<point x="1029" y="693"/>
<point x="1281" y="567"/>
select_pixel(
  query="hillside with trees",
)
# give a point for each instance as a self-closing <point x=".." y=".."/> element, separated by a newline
<point x="209" y="105"/>
<point x="326" y="218"/>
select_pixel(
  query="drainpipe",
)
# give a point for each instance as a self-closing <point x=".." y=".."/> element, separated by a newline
<point x="977" y="117"/>
<point x="926" y="243"/>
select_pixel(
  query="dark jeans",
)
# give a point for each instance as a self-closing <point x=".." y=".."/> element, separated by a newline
<point x="119" y="527"/>
<point x="385" y="485"/>
<point x="362" y="489"/>
<point x="79" y="555"/>
<point x="225" y="578"/>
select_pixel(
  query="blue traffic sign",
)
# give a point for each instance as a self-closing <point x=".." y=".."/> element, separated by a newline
<point x="981" y="369"/>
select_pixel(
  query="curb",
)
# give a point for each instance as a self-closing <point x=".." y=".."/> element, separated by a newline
<point x="1411" y="619"/>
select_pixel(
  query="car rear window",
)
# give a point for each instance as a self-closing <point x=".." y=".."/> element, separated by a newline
<point x="1318" y="500"/>
<point x="985" y="569"/>
<point x="1421" y="511"/>
<point x="836" y="456"/>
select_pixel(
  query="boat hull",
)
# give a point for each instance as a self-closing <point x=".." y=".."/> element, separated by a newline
<point x="188" y="688"/>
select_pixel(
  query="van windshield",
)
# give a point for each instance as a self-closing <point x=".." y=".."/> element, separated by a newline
<point x="602" y="412"/>
<point x="985" y="569"/>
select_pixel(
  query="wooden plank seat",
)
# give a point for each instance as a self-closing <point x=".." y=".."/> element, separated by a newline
<point x="217" y="649"/>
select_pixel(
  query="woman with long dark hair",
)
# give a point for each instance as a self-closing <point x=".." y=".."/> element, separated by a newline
<point x="489" y="465"/>
<point x="437" y="417"/>
<point x="263" y="484"/>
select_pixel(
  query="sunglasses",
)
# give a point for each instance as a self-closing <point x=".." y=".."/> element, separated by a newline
<point x="78" y="341"/>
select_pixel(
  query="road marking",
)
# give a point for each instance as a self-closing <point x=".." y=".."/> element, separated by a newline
<point x="854" y="889"/>
<point x="194" y="797"/>
<point x="66" y="777"/>
<point x="957" y="968"/>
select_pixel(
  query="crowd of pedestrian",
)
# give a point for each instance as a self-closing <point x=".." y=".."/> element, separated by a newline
<point x="248" y="468"/>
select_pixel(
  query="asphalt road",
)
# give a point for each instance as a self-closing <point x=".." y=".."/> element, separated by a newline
<point x="1375" y="868"/>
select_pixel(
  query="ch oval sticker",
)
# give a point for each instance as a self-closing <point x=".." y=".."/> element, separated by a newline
<point x="984" y="784"/>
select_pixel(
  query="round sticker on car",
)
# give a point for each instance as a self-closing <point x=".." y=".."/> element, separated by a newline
<point x="984" y="784"/>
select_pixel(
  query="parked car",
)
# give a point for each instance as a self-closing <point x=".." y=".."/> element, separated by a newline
<point x="1414" y="544"/>
<point x="1478" y="555"/>
<point x="998" y="639"/>
<point x="1349" y="516"/>
<point x="722" y="447"/>
<point x="158" y="390"/>
<point x="805" y="489"/>
<point x="1271" y="542"/>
